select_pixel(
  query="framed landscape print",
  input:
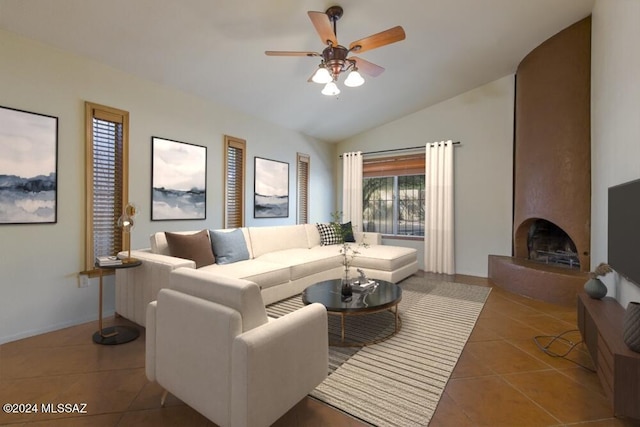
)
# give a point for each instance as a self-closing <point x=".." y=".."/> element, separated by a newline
<point x="271" y="189"/>
<point x="28" y="167"/>
<point x="179" y="180"/>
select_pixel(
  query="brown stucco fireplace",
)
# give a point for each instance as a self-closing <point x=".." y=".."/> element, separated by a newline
<point x="552" y="178"/>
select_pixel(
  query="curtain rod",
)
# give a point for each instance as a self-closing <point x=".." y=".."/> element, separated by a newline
<point x="397" y="149"/>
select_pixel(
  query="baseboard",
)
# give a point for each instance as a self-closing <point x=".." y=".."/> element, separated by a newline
<point x="51" y="328"/>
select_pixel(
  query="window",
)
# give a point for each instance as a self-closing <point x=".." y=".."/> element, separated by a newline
<point x="303" y="188"/>
<point x="393" y="195"/>
<point x="234" y="177"/>
<point x="107" y="161"/>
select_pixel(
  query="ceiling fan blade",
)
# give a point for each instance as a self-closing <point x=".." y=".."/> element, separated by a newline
<point x="310" y="79"/>
<point x="383" y="38"/>
<point x="321" y="22"/>
<point x="367" y="67"/>
<point x="289" y="53"/>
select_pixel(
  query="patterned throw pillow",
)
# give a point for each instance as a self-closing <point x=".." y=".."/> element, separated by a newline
<point x="328" y="235"/>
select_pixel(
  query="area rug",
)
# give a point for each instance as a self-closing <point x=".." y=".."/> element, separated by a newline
<point x="399" y="382"/>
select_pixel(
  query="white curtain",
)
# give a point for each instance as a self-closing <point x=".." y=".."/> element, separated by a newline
<point x="438" y="230"/>
<point x="352" y="189"/>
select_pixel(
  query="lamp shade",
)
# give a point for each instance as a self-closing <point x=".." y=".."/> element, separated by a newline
<point x="330" y="89"/>
<point x="354" y="79"/>
<point x="322" y="76"/>
<point x="126" y="223"/>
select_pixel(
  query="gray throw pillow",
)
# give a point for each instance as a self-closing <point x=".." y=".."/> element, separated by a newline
<point x="228" y="246"/>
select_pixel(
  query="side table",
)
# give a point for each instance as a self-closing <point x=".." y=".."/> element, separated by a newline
<point x="114" y="334"/>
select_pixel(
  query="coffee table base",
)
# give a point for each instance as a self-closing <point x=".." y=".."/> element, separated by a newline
<point x="343" y="315"/>
<point x="384" y="296"/>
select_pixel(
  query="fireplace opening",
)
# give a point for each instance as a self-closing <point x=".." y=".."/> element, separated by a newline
<point x="547" y="243"/>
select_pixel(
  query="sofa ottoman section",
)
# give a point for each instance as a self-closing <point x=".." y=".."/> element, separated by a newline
<point x="387" y="258"/>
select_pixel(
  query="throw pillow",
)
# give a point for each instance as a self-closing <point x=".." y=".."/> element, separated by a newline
<point x="195" y="247"/>
<point x="328" y="235"/>
<point x="229" y="246"/>
<point x="347" y="232"/>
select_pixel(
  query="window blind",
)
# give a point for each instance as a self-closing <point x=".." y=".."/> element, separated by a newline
<point x="106" y="179"/>
<point x="234" y="182"/>
<point x="394" y="166"/>
<point x="107" y="187"/>
<point x="303" y="163"/>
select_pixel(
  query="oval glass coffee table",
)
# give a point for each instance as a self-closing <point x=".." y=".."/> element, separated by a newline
<point x="380" y="297"/>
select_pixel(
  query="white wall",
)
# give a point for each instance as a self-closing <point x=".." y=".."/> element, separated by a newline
<point x="39" y="263"/>
<point x="482" y="120"/>
<point x="615" y="120"/>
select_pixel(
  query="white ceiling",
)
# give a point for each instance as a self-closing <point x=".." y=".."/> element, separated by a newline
<point x="215" y="49"/>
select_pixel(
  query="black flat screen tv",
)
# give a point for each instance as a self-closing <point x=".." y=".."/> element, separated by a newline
<point x="624" y="230"/>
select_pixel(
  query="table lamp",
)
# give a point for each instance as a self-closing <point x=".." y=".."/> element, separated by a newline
<point x="126" y="223"/>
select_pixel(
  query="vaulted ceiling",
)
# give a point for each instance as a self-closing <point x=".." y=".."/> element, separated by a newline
<point x="215" y="50"/>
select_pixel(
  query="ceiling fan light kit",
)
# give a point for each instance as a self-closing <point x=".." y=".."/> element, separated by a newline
<point x="331" y="89"/>
<point x="335" y="57"/>
<point x="354" y="79"/>
<point x="322" y="75"/>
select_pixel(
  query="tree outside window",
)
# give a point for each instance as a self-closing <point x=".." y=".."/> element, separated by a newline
<point x="394" y="205"/>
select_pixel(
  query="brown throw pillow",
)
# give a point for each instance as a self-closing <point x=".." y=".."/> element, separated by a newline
<point x="195" y="247"/>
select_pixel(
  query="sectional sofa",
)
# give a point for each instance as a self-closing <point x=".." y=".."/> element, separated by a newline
<point x="281" y="260"/>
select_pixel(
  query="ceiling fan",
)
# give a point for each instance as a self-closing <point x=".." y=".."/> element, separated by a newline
<point x="335" y="57"/>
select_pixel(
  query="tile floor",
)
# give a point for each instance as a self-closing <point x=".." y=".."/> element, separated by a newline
<point x="502" y="378"/>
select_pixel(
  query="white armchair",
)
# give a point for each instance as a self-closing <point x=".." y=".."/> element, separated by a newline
<point x="211" y="344"/>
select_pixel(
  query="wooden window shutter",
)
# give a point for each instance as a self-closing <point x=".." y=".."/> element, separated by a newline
<point x="107" y="180"/>
<point x="235" y="154"/>
<point x="303" y="163"/>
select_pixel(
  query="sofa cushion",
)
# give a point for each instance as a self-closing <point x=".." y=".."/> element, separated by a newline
<point x="313" y="235"/>
<point x="278" y="238"/>
<point x="328" y="234"/>
<point x="265" y="274"/>
<point x="384" y="258"/>
<point x="305" y="262"/>
<point x="228" y="246"/>
<point x="195" y="247"/>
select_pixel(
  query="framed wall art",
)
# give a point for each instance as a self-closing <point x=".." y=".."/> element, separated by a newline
<point x="179" y="180"/>
<point x="271" y="189"/>
<point x="28" y="167"/>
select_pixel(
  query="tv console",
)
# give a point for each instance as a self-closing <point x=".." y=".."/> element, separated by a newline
<point x="618" y="367"/>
